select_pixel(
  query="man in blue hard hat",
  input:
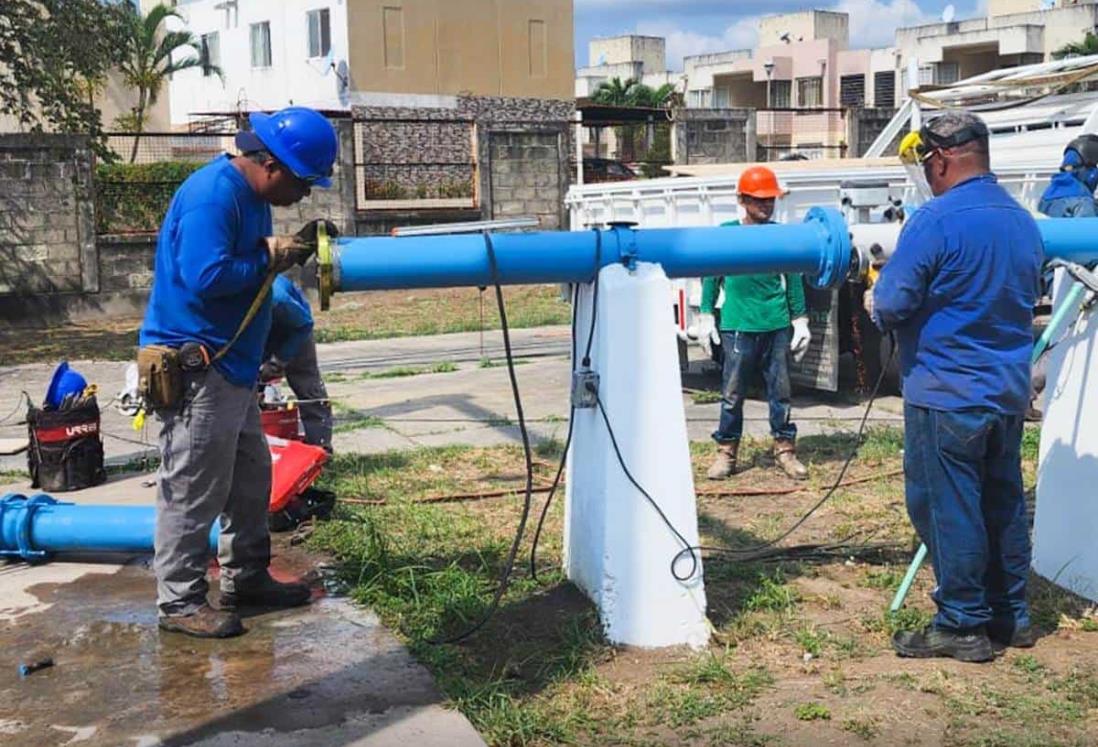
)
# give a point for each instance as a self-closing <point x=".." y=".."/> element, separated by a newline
<point x="207" y="321"/>
<point x="959" y="292"/>
<point x="291" y="353"/>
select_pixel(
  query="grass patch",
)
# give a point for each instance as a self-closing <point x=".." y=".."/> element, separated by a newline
<point x="866" y="728"/>
<point x="383" y="314"/>
<point x="885" y="579"/>
<point x="705" y="397"/>
<point x="812" y="712"/>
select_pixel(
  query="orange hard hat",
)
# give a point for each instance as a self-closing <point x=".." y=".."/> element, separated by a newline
<point x="760" y="182"/>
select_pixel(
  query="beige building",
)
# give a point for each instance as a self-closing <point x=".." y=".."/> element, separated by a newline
<point x="334" y="54"/>
<point x="1014" y="32"/>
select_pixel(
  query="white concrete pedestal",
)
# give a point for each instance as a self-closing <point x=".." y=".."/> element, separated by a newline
<point x="616" y="547"/>
<point x="1065" y="550"/>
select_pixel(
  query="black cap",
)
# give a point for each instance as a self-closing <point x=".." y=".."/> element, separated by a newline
<point x="248" y="142"/>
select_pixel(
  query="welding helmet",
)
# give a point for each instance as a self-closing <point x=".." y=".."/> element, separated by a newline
<point x="921" y="145"/>
<point x="1081" y="159"/>
<point x="300" y="138"/>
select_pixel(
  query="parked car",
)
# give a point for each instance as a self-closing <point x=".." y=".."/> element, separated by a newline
<point x="597" y="170"/>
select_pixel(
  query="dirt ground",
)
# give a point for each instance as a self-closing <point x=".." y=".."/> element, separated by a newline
<point x="800" y="649"/>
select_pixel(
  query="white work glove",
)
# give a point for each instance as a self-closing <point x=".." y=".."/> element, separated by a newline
<point x="801" y="338"/>
<point x="867" y="301"/>
<point x="706" y="333"/>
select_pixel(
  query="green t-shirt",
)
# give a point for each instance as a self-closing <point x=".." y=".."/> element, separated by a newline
<point x="754" y="303"/>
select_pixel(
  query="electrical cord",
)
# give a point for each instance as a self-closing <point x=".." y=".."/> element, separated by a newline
<point x="586" y="363"/>
<point x="508" y="566"/>
<point x="745" y="553"/>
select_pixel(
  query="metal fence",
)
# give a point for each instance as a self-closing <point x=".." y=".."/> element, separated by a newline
<point x="132" y="194"/>
<point x="415" y="163"/>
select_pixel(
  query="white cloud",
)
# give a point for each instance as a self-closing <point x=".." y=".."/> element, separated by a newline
<point x="873" y="23"/>
<point x="743" y="34"/>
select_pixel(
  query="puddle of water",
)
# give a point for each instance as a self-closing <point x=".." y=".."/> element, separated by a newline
<point x="118" y="680"/>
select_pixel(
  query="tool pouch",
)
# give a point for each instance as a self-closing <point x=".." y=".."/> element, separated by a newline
<point x="159" y="377"/>
<point x="66" y="450"/>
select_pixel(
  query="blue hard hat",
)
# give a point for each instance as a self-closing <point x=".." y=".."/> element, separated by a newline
<point x="65" y="381"/>
<point x="301" y="138"/>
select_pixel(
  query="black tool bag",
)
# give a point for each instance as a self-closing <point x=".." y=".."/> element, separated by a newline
<point x="66" y="450"/>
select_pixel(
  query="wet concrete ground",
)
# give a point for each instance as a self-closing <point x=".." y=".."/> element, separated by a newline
<point x="326" y="674"/>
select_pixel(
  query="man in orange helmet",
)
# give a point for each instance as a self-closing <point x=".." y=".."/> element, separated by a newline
<point x="763" y="322"/>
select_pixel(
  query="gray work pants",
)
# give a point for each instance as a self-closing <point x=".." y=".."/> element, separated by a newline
<point x="214" y="463"/>
<point x="303" y="376"/>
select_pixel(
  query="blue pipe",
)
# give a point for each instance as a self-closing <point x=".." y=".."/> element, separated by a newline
<point x="819" y="247"/>
<point x="35" y="528"/>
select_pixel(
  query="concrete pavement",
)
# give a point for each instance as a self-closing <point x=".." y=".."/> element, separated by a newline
<point x="471" y="405"/>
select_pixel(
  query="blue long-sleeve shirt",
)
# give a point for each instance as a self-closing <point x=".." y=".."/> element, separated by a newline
<point x="210" y="264"/>
<point x="291" y="320"/>
<point x="1067" y="197"/>
<point x="959" y="292"/>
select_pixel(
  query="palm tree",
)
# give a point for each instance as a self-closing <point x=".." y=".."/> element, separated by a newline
<point x="1088" y="46"/>
<point x="151" y="57"/>
<point x="613" y="92"/>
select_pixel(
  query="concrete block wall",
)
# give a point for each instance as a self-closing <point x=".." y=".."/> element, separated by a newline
<point x="713" y="136"/>
<point x="458" y="131"/>
<point x="47" y="229"/>
<point x="337" y="203"/>
<point x="527" y="175"/>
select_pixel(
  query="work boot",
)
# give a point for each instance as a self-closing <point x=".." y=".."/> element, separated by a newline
<point x="724" y="466"/>
<point x="205" y="622"/>
<point x="264" y="591"/>
<point x="786" y="455"/>
<point x="971" y="645"/>
<point x="1006" y="635"/>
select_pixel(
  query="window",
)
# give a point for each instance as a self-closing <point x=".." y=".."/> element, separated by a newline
<point x="320" y="32"/>
<point x="781" y="94"/>
<point x="211" y="53"/>
<point x="809" y="92"/>
<point x="884" y="89"/>
<point x="392" y="28"/>
<point x="721" y="99"/>
<point x="261" y="44"/>
<point x="852" y="90"/>
<point x="539" y="49"/>
<point x="926" y="75"/>
<point x="948" y="73"/>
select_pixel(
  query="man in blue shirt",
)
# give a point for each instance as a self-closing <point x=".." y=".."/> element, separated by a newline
<point x="291" y="353"/>
<point x="209" y="316"/>
<point x="959" y="294"/>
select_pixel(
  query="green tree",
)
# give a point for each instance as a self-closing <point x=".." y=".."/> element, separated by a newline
<point x="632" y="93"/>
<point x="151" y="56"/>
<point x="55" y="54"/>
<point x="1088" y="46"/>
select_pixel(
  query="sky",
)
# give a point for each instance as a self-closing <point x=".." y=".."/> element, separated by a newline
<point x="702" y="26"/>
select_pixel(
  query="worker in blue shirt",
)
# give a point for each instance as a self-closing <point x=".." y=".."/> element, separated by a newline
<point x="1070" y="192"/>
<point x="291" y="353"/>
<point x="202" y="341"/>
<point x="958" y="293"/>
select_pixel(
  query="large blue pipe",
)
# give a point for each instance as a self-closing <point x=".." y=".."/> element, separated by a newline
<point x="37" y="527"/>
<point x="820" y="248"/>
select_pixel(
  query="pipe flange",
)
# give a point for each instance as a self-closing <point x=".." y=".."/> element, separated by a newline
<point x="836" y="249"/>
<point x="323" y="266"/>
<point x="24" y="546"/>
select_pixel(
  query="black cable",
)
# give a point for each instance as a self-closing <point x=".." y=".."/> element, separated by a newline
<point x="572" y="410"/>
<point x="508" y="566"/>
<point x="651" y="501"/>
<point x="762" y="546"/>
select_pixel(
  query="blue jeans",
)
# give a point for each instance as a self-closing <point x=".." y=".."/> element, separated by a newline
<point x="745" y="353"/>
<point x="963" y="479"/>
